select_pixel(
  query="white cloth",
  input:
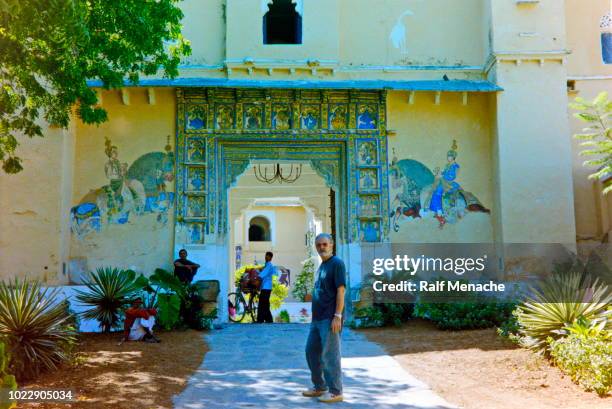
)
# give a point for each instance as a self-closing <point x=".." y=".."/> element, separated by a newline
<point x="138" y="328"/>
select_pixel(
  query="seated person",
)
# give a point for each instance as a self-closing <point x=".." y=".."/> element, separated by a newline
<point x="139" y="322"/>
<point x="185" y="269"/>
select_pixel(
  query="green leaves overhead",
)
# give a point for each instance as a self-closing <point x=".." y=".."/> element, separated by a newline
<point x="50" y="48"/>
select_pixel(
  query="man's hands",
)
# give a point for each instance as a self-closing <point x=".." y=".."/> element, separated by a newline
<point x="336" y="325"/>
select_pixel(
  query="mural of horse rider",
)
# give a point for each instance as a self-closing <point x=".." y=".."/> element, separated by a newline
<point x="417" y="192"/>
<point x="122" y="194"/>
<point x="138" y="189"/>
<point x="447" y="199"/>
<point x="114" y="170"/>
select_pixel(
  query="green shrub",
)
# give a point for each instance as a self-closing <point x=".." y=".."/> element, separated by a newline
<point x="466" y="315"/>
<point x="284" y="316"/>
<point x="7" y="381"/>
<point x="395" y="313"/>
<point x="510" y="327"/>
<point x="304" y="282"/>
<point x="35" y="327"/>
<point x="180" y="304"/>
<point x="108" y="291"/>
<point x="586" y="357"/>
<point x="553" y="306"/>
<point x="367" y="317"/>
<point x="380" y="315"/>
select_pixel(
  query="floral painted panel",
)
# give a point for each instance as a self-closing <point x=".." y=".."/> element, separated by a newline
<point x="195" y="207"/>
<point x="196" y="117"/>
<point x="367" y="117"/>
<point x="196" y="150"/>
<point x="225" y="116"/>
<point x="281" y="116"/>
<point x="196" y="179"/>
<point x="369" y="231"/>
<point x="310" y="116"/>
<point x="368" y="180"/>
<point x="253" y="116"/>
<point x="367" y="153"/>
<point x="369" y="206"/>
<point x="338" y="116"/>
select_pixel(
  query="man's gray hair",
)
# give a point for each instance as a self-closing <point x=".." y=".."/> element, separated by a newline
<point x="325" y="236"/>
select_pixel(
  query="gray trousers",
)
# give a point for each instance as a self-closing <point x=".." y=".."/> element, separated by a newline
<point x="323" y="357"/>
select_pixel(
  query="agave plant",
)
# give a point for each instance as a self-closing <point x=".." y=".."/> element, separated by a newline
<point x="108" y="291"/>
<point x="34" y="326"/>
<point x="559" y="302"/>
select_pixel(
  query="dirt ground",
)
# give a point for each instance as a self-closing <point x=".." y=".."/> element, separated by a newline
<point x="134" y="375"/>
<point x="478" y="369"/>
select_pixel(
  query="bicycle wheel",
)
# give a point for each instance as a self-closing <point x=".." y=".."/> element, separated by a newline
<point x="236" y="307"/>
<point x="253" y="304"/>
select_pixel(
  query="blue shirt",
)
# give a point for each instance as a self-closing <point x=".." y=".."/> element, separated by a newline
<point x="330" y="276"/>
<point x="266" y="276"/>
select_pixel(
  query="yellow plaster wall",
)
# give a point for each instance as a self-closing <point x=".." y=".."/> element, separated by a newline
<point x="33" y="206"/>
<point x="533" y="151"/>
<point x="439" y="32"/>
<point x="144" y="243"/>
<point x="425" y="132"/>
<point x="584" y="37"/>
<point x="528" y="27"/>
<point x="204" y="26"/>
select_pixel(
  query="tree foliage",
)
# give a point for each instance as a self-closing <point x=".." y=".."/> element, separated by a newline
<point x="50" y="48"/>
<point x="597" y="137"/>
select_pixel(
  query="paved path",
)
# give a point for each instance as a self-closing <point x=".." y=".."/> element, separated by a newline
<point x="263" y="366"/>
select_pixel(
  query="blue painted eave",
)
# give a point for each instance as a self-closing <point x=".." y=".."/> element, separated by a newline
<point x="429" y="85"/>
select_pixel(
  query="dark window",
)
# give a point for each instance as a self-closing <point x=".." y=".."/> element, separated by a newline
<point x="259" y="229"/>
<point x="282" y="24"/>
<point x="606" y="47"/>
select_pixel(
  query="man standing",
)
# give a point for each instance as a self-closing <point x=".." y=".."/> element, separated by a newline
<point x="263" y="310"/>
<point x="185" y="269"/>
<point x="323" y="345"/>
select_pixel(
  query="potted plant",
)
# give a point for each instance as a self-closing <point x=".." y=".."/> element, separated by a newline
<point x="305" y="281"/>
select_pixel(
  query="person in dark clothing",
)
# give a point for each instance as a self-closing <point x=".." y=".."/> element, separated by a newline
<point x="323" y="344"/>
<point x="263" y="309"/>
<point x="185" y="269"/>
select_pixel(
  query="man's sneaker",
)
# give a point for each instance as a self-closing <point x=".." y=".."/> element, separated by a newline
<point x="329" y="397"/>
<point x="313" y="393"/>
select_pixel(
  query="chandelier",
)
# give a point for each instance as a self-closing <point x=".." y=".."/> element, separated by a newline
<point x="277" y="173"/>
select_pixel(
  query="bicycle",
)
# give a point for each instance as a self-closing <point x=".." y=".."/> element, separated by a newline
<point x="238" y="306"/>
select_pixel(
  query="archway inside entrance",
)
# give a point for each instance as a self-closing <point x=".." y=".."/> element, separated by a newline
<point x="282" y="218"/>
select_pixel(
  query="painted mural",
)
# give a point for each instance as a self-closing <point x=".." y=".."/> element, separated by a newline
<point x="134" y="190"/>
<point x="418" y="192"/>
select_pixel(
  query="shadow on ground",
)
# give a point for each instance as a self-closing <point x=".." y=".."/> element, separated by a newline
<point x="263" y="366"/>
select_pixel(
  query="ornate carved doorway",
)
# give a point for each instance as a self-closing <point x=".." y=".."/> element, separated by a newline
<point x="341" y="133"/>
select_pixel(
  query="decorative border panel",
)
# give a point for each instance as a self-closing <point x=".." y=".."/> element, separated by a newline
<point x="341" y="133"/>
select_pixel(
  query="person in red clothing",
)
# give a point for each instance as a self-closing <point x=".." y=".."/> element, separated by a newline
<point x="139" y="322"/>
